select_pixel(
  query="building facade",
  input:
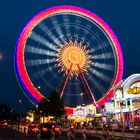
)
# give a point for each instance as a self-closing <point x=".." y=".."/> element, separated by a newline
<point x="125" y="104"/>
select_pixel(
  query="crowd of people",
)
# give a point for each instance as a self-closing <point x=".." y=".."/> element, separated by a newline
<point x="71" y="134"/>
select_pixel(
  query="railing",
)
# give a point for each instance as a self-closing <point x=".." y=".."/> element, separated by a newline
<point x="110" y="133"/>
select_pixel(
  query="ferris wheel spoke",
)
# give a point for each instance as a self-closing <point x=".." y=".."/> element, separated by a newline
<point x="84" y="30"/>
<point x="84" y="35"/>
<point x="49" y="81"/>
<point x="108" y="55"/>
<point x="42" y="72"/>
<point x="49" y="84"/>
<point x="104" y="66"/>
<point x="88" y="37"/>
<point x="43" y="41"/>
<point x="54" y="39"/>
<point x="66" y="21"/>
<point x="36" y="62"/>
<point x="67" y="29"/>
<point x="100" y="46"/>
<point x="60" y="33"/>
<point x="49" y="33"/>
<point x="76" y="29"/>
<point x="77" y="87"/>
<point x="67" y="100"/>
<point x="40" y="51"/>
<point x="96" y="84"/>
<point x="56" y="24"/>
<point x="77" y="25"/>
<point x="100" y="75"/>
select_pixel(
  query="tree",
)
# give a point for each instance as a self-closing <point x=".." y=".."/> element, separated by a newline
<point x="52" y="106"/>
<point x="42" y="109"/>
<point x="56" y="107"/>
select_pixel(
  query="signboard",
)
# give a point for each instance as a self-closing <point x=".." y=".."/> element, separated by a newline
<point x="79" y="111"/>
<point x="134" y="88"/>
<point x="90" y="110"/>
<point x="109" y="107"/>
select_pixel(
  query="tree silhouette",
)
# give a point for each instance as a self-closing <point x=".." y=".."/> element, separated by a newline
<point x="52" y="105"/>
<point x="43" y="108"/>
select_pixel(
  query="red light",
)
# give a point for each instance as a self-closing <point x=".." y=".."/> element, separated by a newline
<point x="45" y="129"/>
<point x="57" y="129"/>
<point x="35" y="129"/>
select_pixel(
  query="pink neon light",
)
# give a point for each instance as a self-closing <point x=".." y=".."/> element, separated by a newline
<point x="58" y="9"/>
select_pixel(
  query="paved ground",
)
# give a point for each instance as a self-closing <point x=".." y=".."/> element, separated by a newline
<point x="9" y="134"/>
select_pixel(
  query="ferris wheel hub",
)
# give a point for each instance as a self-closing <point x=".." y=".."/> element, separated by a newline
<point x="73" y="53"/>
<point x="75" y="56"/>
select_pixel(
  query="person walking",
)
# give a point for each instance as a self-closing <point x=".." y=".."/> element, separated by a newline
<point x="84" y="134"/>
<point x="52" y="134"/>
<point x="70" y="134"/>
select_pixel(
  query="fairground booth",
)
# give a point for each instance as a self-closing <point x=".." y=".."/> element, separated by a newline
<point x="82" y="113"/>
<point x="126" y="102"/>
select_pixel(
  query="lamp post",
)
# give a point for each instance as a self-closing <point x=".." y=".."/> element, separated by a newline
<point x="37" y="114"/>
<point x="20" y="102"/>
<point x="81" y="95"/>
<point x="20" y="117"/>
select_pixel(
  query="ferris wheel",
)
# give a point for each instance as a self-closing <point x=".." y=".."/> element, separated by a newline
<point x="72" y="50"/>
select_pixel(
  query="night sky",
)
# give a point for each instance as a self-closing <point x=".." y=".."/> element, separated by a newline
<point x="122" y="16"/>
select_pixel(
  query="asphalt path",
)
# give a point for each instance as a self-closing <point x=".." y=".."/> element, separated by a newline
<point x="9" y="134"/>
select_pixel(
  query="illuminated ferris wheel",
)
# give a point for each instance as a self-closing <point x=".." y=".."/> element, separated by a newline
<point x="71" y="50"/>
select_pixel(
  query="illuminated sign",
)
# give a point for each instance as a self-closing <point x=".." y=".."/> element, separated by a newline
<point x="109" y="107"/>
<point x="134" y="88"/>
<point x="90" y="110"/>
<point x="79" y="111"/>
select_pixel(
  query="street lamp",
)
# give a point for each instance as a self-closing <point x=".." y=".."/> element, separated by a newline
<point x="81" y="95"/>
<point x="37" y="114"/>
<point x="20" y="102"/>
<point x="39" y="87"/>
<point x="1" y="56"/>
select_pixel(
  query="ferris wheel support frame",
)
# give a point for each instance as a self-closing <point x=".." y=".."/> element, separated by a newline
<point x="66" y="81"/>
<point x="89" y="90"/>
<point x="85" y="81"/>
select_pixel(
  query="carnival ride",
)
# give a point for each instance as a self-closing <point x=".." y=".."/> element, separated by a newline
<point x="72" y="50"/>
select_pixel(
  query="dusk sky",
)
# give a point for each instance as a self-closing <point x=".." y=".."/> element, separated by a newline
<point x="122" y="16"/>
